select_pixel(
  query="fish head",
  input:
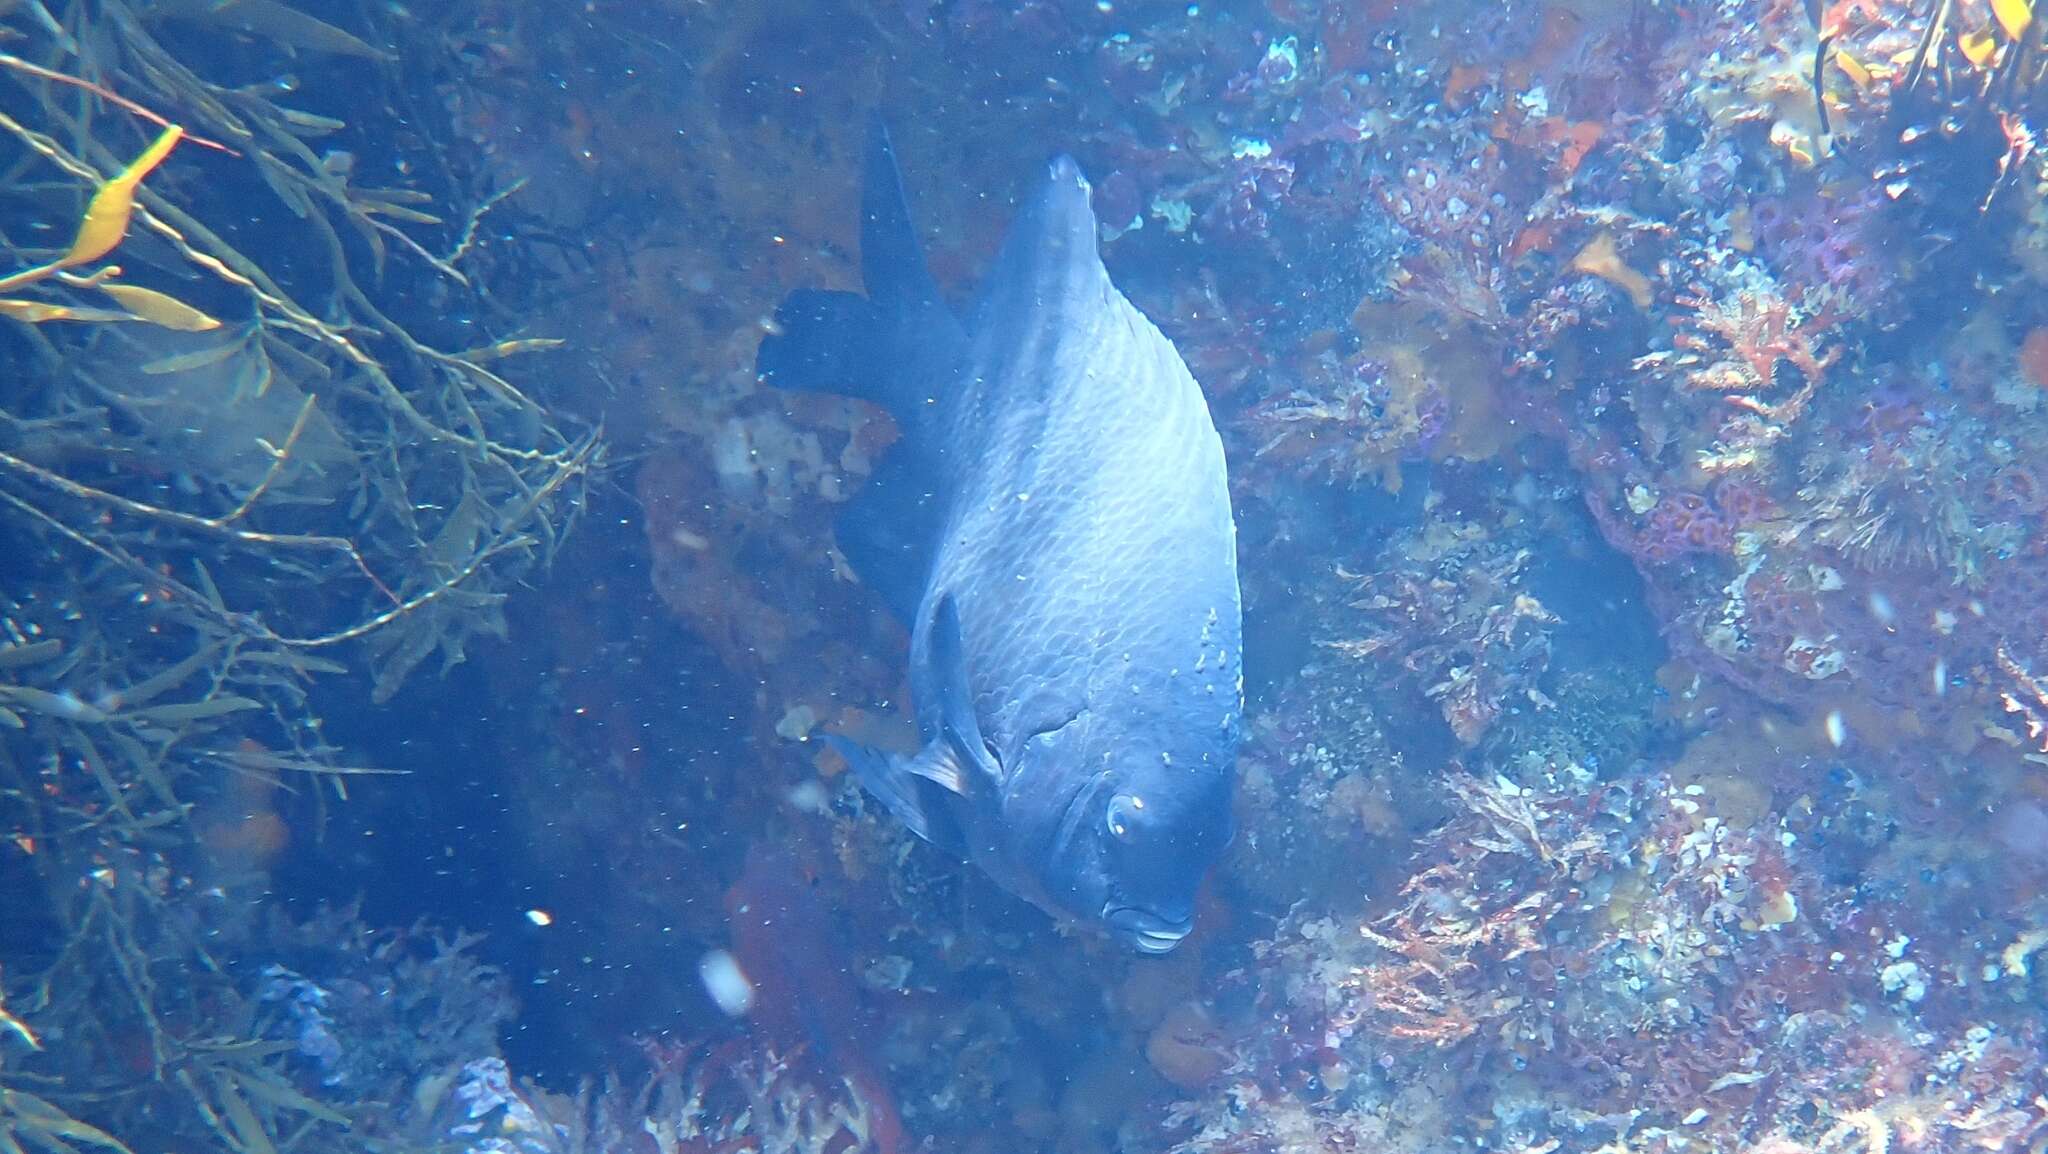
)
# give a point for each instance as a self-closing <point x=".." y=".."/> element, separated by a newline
<point x="1132" y="845"/>
<point x="1164" y="828"/>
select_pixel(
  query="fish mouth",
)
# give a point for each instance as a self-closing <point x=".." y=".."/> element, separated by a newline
<point x="1147" y="933"/>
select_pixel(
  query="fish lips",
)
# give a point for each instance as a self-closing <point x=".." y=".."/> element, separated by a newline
<point x="1147" y="932"/>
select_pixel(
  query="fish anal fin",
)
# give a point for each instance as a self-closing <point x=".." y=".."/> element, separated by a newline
<point x="888" y="530"/>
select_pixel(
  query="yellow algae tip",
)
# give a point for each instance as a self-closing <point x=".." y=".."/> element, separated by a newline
<point x="2014" y="16"/>
<point x="158" y="309"/>
<point x="1853" y="69"/>
<point x="1600" y="258"/>
<point x="2014" y="957"/>
<point x="106" y="218"/>
<point x="1779" y="909"/>
<point x="1978" y="47"/>
<point x="33" y="312"/>
<point x="40" y="312"/>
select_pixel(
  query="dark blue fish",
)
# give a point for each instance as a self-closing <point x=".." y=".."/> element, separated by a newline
<point x="1055" y="526"/>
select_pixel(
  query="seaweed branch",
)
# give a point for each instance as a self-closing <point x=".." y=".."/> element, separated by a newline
<point x="223" y="525"/>
<point x="210" y="514"/>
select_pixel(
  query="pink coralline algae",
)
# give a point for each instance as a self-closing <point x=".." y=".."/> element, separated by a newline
<point x="1467" y="633"/>
<point x="1681" y="524"/>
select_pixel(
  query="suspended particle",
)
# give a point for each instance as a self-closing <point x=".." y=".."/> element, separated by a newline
<point x="726" y="983"/>
<point x="1837" y="729"/>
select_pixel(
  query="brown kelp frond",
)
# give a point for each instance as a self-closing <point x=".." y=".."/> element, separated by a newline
<point x="241" y="450"/>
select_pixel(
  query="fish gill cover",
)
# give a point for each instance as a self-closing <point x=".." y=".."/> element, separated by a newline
<point x="1633" y="413"/>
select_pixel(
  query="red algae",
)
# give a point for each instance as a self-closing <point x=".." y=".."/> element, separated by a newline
<point x="2034" y="356"/>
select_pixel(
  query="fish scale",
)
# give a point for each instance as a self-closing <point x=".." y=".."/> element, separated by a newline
<point x="1056" y="525"/>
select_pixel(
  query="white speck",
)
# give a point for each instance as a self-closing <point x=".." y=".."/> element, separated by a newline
<point x="1698" y="1116"/>
<point x="1881" y="608"/>
<point x="810" y="797"/>
<point x="1941" y="677"/>
<point x="1837" y="729"/>
<point x="540" y="917"/>
<point x="1023" y="496"/>
<point x="726" y="982"/>
<point x="796" y="723"/>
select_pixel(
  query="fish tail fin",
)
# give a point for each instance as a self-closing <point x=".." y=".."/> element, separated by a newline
<point x="825" y="341"/>
<point x="892" y="263"/>
<point x="893" y="345"/>
<point x="866" y="345"/>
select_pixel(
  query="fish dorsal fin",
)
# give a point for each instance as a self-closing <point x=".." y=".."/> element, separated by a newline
<point x="892" y="264"/>
<point x="960" y="743"/>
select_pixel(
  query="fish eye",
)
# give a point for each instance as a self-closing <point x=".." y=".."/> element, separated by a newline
<point x="1125" y="812"/>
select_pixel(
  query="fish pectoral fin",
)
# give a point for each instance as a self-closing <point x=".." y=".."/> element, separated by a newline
<point x="960" y="728"/>
<point x="939" y="763"/>
<point x="903" y="791"/>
